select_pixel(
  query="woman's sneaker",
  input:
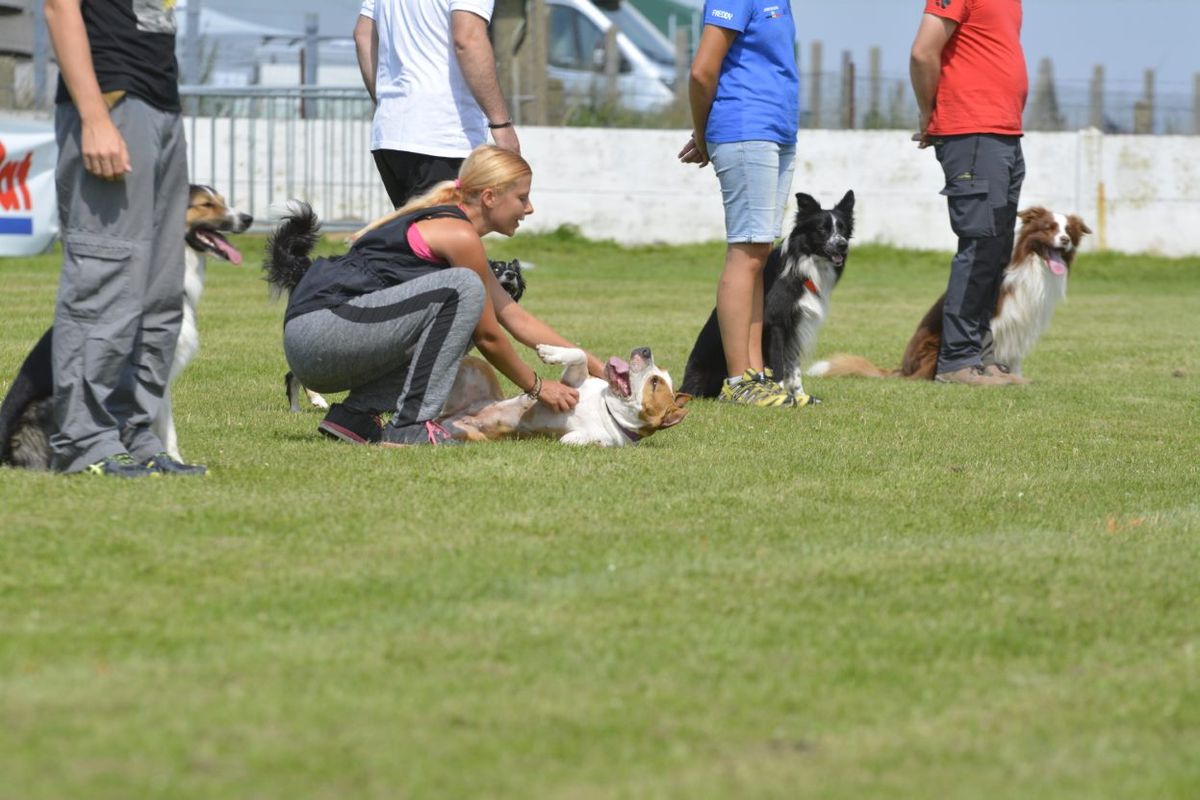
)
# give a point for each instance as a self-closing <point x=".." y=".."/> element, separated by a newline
<point x="754" y="390"/>
<point x="348" y="425"/>
<point x="418" y="433"/>
<point x="798" y="400"/>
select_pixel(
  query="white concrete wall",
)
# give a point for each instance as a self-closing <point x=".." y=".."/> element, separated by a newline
<point x="1138" y="193"/>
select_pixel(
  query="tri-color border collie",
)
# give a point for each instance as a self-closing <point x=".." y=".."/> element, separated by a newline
<point x="26" y="423"/>
<point x="1034" y="283"/>
<point x="798" y="279"/>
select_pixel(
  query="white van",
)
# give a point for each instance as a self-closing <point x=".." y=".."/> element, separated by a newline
<point x="575" y="35"/>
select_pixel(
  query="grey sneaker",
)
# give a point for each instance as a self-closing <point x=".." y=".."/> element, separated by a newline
<point x="971" y="376"/>
<point x="1004" y="373"/>
<point x="418" y="433"/>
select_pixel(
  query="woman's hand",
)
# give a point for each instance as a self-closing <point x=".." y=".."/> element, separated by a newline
<point x="558" y="396"/>
<point x="694" y="152"/>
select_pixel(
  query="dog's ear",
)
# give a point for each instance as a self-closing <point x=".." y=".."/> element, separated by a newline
<point x="846" y="204"/>
<point x="806" y="205"/>
<point x="1030" y="214"/>
<point x="1076" y="228"/>
<point x="673" y="417"/>
<point x="682" y="399"/>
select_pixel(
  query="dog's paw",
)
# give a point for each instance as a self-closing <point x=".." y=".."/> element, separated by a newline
<point x="552" y="354"/>
<point x="317" y="401"/>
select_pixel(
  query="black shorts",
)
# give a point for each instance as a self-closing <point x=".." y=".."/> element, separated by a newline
<point x="406" y="175"/>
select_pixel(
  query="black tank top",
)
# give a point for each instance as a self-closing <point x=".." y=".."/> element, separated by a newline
<point x="381" y="258"/>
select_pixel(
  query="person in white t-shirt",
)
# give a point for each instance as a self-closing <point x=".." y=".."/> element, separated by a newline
<point x="430" y="69"/>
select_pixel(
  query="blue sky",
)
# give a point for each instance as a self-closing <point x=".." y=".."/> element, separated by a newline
<point x="1127" y="36"/>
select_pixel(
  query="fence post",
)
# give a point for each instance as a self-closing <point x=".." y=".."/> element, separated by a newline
<point x="192" y="47"/>
<point x="683" y="68"/>
<point x="874" y="118"/>
<point x="41" y="56"/>
<point x="848" y="111"/>
<point x="1196" y="104"/>
<point x="507" y="19"/>
<point x="612" y="65"/>
<point x="309" y="60"/>
<point x="1096" y="98"/>
<point x="1043" y="112"/>
<point x="535" y="62"/>
<point x="814" y="85"/>
<point x="1143" y="110"/>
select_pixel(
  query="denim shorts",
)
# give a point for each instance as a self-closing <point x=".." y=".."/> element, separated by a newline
<point x="756" y="180"/>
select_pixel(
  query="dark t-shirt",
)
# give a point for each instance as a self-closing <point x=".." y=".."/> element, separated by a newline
<point x="133" y="49"/>
<point x="381" y="258"/>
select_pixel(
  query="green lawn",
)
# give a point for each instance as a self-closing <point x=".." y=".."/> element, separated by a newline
<point x="912" y="590"/>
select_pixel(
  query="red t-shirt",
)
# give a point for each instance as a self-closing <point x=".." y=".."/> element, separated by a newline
<point x="983" y="84"/>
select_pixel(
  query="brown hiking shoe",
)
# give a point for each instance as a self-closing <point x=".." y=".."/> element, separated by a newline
<point x="971" y="376"/>
<point x="1002" y="371"/>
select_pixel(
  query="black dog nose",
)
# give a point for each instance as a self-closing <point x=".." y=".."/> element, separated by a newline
<point x="642" y="352"/>
<point x="245" y="219"/>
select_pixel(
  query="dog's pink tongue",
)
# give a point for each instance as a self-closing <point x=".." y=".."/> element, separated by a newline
<point x="1054" y="259"/>
<point x="229" y="251"/>
<point x="617" y="372"/>
<point x="222" y="247"/>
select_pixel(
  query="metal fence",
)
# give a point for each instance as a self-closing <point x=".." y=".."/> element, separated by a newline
<point x="833" y="102"/>
<point x="261" y="147"/>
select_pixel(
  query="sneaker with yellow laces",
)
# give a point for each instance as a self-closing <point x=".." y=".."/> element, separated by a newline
<point x="751" y="389"/>
<point x="799" y="399"/>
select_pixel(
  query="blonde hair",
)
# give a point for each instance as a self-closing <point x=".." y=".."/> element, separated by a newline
<point x="487" y="167"/>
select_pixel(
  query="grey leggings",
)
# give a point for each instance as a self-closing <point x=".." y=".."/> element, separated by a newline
<point x="395" y="349"/>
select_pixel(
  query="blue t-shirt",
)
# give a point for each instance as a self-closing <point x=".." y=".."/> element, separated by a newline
<point x="758" y="90"/>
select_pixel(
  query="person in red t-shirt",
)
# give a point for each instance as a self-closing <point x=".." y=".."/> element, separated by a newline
<point x="968" y="73"/>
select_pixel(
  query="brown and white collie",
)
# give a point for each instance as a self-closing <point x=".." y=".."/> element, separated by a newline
<point x="1034" y="283"/>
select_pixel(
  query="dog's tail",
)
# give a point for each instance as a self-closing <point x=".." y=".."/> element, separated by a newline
<point x="289" y="246"/>
<point x="843" y="365"/>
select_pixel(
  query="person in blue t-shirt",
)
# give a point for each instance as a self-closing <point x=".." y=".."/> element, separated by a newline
<point x="744" y="92"/>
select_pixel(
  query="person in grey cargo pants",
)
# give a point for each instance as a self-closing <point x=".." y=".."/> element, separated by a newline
<point x="968" y="74"/>
<point x="122" y="198"/>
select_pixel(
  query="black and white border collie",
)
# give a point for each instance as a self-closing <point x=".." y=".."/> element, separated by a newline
<point x="26" y="423"/>
<point x="797" y="281"/>
<point x="1034" y="283"/>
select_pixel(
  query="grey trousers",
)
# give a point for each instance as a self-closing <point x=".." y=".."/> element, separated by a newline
<point x="396" y="349"/>
<point x="120" y="295"/>
<point x="984" y="173"/>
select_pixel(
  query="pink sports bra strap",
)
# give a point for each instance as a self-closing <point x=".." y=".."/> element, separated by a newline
<point x="419" y="246"/>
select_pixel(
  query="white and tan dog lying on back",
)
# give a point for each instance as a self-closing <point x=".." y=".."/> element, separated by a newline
<point x="634" y="402"/>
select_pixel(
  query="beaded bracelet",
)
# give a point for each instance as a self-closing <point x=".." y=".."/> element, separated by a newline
<point x="535" y="391"/>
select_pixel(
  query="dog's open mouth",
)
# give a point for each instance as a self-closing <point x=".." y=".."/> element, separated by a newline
<point x="617" y="373"/>
<point x="836" y="257"/>
<point x="207" y="240"/>
<point x="1056" y="261"/>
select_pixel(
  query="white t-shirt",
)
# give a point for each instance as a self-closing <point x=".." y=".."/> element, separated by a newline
<point x="424" y="104"/>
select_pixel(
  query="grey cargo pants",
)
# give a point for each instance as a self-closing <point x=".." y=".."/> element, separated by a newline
<point x="984" y="173"/>
<point x="120" y="295"/>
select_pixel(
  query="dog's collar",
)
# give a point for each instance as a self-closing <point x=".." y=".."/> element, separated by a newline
<point x="633" y="436"/>
<point x="812" y="287"/>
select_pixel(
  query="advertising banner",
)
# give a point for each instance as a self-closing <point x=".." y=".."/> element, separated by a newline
<point x="28" y="207"/>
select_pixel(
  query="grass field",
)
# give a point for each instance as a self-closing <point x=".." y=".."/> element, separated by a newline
<point x="912" y="590"/>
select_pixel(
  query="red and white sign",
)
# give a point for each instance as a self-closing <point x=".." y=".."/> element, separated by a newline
<point x="28" y="205"/>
